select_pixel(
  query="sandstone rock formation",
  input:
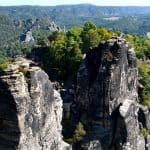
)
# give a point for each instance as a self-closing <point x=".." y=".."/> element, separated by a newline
<point x="30" y="109"/>
<point x="107" y="99"/>
<point x="106" y="102"/>
<point x="27" y="37"/>
<point x="53" y="27"/>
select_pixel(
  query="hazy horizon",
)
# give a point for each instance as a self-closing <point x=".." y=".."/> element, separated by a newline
<point x="74" y="2"/>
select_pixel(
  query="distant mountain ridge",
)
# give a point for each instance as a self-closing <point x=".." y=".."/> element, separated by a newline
<point x="85" y="10"/>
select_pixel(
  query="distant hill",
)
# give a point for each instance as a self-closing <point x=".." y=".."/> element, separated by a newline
<point x="82" y="10"/>
<point x="135" y="20"/>
<point x="18" y="20"/>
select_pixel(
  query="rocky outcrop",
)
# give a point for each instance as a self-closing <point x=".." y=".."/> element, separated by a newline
<point x="27" y="37"/>
<point x="30" y="109"/>
<point x="53" y="27"/>
<point x="107" y="99"/>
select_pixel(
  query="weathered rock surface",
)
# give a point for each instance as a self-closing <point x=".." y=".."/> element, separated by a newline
<point x="107" y="99"/>
<point x="30" y="109"/>
<point x="27" y="37"/>
<point x="53" y="27"/>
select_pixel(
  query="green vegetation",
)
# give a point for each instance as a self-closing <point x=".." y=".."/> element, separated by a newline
<point x="62" y="56"/>
<point x="3" y="59"/>
<point x="10" y="45"/>
<point x="132" y="20"/>
<point x="65" y="50"/>
<point x="18" y="20"/>
<point x="60" y="53"/>
<point x="92" y="36"/>
<point x="142" y="49"/>
<point x="3" y="62"/>
<point x="3" y="66"/>
<point x="144" y="71"/>
<point x="78" y="134"/>
<point x="144" y="132"/>
<point x="142" y="46"/>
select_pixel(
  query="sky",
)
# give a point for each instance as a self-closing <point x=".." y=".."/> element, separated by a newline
<point x="61" y="2"/>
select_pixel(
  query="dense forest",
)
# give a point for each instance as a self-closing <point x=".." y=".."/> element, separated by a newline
<point x="60" y="49"/>
<point x="114" y="18"/>
<point x="17" y="20"/>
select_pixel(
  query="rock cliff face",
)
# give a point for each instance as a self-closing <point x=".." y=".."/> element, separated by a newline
<point x="53" y="27"/>
<point x="107" y="99"/>
<point x="27" y="37"/>
<point x="30" y="109"/>
<point x="106" y="102"/>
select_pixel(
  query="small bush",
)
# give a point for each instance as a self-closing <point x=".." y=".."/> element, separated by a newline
<point x="144" y="72"/>
<point x="78" y="134"/>
<point x="69" y="140"/>
<point x="144" y="132"/>
<point x="4" y="65"/>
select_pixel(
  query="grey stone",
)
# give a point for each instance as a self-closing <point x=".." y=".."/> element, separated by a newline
<point x="30" y="111"/>
<point x="27" y="37"/>
<point x="107" y="97"/>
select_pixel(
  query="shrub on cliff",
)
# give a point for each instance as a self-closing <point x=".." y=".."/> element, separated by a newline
<point x="92" y="36"/>
<point x="142" y="49"/>
<point x="144" y="132"/>
<point x="4" y="65"/>
<point x="144" y="72"/>
<point x="142" y="46"/>
<point x="65" y="53"/>
<point x="78" y="134"/>
<point x="3" y="62"/>
<point x="3" y="59"/>
<point x="65" y="50"/>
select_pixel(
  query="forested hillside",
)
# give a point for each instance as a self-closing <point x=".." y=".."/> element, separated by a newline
<point x="115" y="18"/>
<point x="16" y="21"/>
<point x="86" y="10"/>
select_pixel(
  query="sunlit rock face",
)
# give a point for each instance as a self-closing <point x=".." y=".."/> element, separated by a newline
<point x="30" y="109"/>
<point x="27" y="37"/>
<point x="107" y="98"/>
